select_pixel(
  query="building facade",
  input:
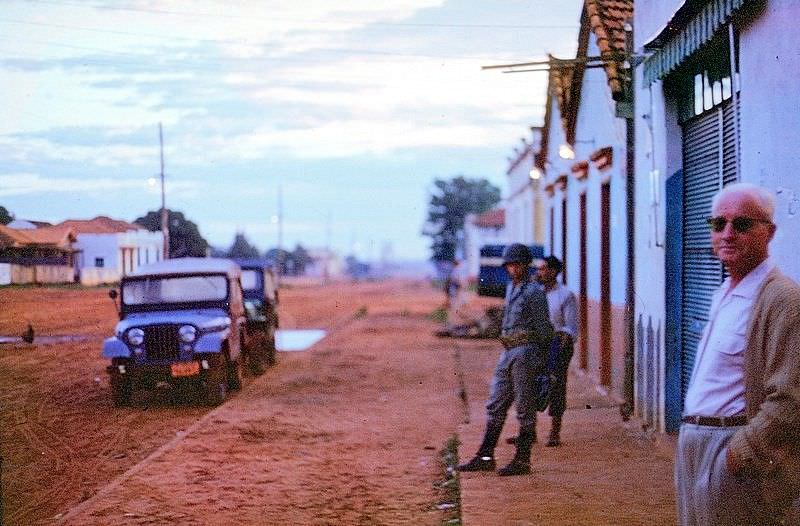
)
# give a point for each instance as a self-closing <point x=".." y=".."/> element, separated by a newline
<point x="585" y="175"/>
<point x="713" y="90"/>
<point x="108" y="249"/>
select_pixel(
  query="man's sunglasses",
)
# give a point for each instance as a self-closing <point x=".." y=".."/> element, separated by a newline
<point x="739" y="224"/>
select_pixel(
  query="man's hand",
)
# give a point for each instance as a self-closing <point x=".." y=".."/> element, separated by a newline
<point x="733" y="463"/>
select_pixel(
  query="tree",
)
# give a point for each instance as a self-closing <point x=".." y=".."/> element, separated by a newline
<point x="5" y="216"/>
<point x="301" y="258"/>
<point x="448" y="207"/>
<point x="241" y="248"/>
<point x="184" y="236"/>
<point x="281" y="260"/>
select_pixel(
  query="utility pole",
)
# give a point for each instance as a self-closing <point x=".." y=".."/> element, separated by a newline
<point x="164" y="212"/>
<point x="326" y="270"/>
<point x="280" y="232"/>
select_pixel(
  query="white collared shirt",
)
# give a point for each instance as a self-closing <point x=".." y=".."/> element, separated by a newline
<point x="563" y="309"/>
<point x="717" y="384"/>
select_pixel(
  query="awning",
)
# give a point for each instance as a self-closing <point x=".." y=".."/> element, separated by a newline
<point x="694" y="24"/>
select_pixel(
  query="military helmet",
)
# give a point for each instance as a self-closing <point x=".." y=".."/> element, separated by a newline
<point x="517" y="253"/>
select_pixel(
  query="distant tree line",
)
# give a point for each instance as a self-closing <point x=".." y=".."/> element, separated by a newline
<point x="185" y="240"/>
<point x="5" y="216"/>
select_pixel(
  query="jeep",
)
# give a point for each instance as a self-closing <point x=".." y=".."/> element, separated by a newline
<point x="261" y="310"/>
<point x="181" y="320"/>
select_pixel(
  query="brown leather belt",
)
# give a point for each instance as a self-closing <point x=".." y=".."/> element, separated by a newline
<point x="715" y="421"/>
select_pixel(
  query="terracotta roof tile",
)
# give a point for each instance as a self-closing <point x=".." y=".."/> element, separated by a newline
<point x="492" y="219"/>
<point x="60" y="236"/>
<point x="607" y="20"/>
<point x="100" y="225"/>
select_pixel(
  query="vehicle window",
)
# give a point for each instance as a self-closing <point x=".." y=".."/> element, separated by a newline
<point x="174" y="290"/>
<point x="251" y="280"/>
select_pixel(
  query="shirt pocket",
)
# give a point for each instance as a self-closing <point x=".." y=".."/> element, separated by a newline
<point x="731" y="349"/>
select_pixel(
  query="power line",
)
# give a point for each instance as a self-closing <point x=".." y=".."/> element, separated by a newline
<point x="228" y="60"/>
<point x="320" y="22"/>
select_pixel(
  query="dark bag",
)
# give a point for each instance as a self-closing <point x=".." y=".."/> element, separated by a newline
<point x="543" y="383"/>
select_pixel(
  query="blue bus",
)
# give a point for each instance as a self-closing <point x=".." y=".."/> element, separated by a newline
<point x="492" y="277"/>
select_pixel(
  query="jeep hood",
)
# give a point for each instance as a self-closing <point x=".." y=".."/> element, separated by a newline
<point x="200" y="318"/>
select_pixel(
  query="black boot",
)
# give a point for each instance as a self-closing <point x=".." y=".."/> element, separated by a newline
<point x="555" y="432"/>
<point x="521" y="463"/>
<point x="484" y="458"/>
<point x="513" y="440"/>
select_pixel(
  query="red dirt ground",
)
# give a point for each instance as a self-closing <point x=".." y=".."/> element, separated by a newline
<point x="345" y="433"/>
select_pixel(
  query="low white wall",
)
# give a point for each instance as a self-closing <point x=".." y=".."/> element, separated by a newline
<point x="5" y="273"/>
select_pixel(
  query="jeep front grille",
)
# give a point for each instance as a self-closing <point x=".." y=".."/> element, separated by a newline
<point x="161" y="342"/>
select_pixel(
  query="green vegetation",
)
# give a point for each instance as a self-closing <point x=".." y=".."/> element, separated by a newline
<point x="448" y="207"/>
<point x="439" y="315"/>
<point x="449" y="488"/>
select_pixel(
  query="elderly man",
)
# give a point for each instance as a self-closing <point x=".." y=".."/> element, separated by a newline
<point x="738" y="456"/>
<point x="526" y="335"/>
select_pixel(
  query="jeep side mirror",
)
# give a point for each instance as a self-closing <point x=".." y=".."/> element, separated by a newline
<point x="113" y="295"/>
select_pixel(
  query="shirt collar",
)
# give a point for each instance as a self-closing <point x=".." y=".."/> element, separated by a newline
<point x="748" y="287"/>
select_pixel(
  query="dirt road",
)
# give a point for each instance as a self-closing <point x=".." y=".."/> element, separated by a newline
<point x="346" y="433"/>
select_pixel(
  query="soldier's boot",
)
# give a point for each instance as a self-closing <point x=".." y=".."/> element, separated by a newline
<point x="555" y="432"/>
<point x="521" y="463"/>
<point x="484" y="458"/>
<point x="513" y="440"/>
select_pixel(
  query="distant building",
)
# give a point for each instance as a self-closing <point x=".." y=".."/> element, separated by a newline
<point x="583" y="163"/>
<point x="324" y="263"/>
<point x="39" y="255"/>
<point x="108" y="249"/>
<point x="524" y="222"/>
<point x="487" y="228"/>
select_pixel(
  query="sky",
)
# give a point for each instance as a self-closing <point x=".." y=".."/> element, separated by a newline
<point x="334" y="116"/>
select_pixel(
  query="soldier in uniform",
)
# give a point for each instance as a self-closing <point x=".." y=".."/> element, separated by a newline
<point x="526" y="335"/>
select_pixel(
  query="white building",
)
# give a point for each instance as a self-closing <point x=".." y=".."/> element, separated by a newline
<point x="715" y="103"/>
<point x="523" y="200"/>
<point x="583" y="163"/>
<point x="109" y="249"/>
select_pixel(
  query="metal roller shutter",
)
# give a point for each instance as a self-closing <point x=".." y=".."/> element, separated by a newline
<point x="709" y="162"/>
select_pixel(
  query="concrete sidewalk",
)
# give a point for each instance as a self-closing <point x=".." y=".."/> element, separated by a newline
<point x="606" y="471"/>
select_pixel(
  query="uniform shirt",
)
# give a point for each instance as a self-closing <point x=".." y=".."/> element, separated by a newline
<point x="717" y="384"/>
<point x="563" y="310"/>
<point x="526" y="310"/>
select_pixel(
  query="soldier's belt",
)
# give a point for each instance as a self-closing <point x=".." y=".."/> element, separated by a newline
<point x="517" y="339"/>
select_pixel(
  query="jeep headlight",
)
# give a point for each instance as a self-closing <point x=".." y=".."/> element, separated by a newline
<point x="187" y="333"/>
<point x="135" y="336"/>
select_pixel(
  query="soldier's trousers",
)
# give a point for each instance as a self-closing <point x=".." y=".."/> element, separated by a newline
<point x="558" y="391"/>
<point x="512" y="383"/>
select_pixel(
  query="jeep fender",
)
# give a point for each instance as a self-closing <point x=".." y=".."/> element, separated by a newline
<point x="212" y="342"/>
<point x="115" y="348"/>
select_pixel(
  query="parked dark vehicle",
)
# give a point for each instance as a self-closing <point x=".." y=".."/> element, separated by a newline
<point x="492" y="276"/>
<point x="181" y="320"/>
<point x="261" y="309"/>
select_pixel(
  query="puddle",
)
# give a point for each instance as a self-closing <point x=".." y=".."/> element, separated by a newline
<point x="45" y="340"/>
<point x="297" y="339"/>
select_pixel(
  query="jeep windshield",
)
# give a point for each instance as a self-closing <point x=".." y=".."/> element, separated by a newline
<point x="156" y="290"/>
<point x="252" y="279"/>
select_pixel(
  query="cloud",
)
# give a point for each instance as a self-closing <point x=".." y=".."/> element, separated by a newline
<point x="22" y="183"/>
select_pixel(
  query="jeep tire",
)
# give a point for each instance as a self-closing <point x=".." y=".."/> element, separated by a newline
<point x="234" y="372"/>
<point x="215" y="386"/>
<point x="255" y="360"/>
<point x="121" y="389"/>
<point x="270" y="351"/>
